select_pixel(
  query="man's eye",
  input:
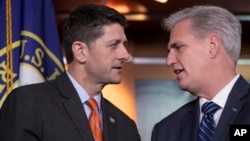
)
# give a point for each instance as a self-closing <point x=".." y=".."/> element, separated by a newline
<point x="125" y="44"/>
<point x="113" y="46"/>
<point x="177" y="47"/>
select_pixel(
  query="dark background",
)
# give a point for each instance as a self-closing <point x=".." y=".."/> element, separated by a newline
<point x="146" y="35"/>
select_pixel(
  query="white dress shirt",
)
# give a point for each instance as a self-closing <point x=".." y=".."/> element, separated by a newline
<point x="220" y="99"/>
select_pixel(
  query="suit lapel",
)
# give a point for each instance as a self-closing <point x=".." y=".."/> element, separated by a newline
<point x="74" y="107"/>
<point x="109" y="122"/>
<point x="190" y="124"/>
<point x="230" y="112"/>
<point x="79" y="118"/>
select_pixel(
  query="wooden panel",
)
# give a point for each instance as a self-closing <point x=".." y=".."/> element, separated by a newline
<point x="164" y="72"/>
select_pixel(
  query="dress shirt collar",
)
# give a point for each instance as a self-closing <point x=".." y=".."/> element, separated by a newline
<point x="82" y="92"/>
<point x="221" y="98"/>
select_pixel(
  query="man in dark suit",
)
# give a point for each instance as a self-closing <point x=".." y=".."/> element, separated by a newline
<point x="58" y="110"/>
<point x="203" y="50"/>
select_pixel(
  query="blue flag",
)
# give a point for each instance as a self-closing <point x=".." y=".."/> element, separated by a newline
<point x="30" y="49"/>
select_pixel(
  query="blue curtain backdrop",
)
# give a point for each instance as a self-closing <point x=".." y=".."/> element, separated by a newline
<point x="30" y="49"/>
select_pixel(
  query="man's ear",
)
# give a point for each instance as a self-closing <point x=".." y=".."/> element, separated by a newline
<point x="215" y="44"/>
<point x="79" y="51"/>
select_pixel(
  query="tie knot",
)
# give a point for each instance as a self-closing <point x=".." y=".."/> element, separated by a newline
<point x="210" y="108"/>
<point x="92" y="104"/>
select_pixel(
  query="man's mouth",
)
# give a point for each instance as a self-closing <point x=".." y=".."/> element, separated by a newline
<point x="178" y="71"/>
<point x="117" y="67"/>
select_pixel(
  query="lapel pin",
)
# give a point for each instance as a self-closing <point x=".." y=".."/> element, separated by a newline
<point x="235" y="110"/>
<point x="112" y="120"/>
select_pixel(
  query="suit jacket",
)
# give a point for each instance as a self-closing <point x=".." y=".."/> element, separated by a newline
<point x="183" y="124"/>
<point x="52" y="111"/>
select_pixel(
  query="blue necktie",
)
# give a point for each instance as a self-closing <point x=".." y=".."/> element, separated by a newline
<point x="207" y="125"/>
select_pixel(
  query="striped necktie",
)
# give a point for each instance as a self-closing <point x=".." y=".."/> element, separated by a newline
<point x="94" y="120"/>
<point x="207" y="125"/>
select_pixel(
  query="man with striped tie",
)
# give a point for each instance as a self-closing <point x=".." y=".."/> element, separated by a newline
<point x="203" y="50"/>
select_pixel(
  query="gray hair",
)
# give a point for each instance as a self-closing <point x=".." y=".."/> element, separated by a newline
<point x="210" y="19"/>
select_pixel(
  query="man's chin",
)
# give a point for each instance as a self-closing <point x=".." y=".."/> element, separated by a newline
<point x="116" y="81"/>
<point x="182" y="86"/>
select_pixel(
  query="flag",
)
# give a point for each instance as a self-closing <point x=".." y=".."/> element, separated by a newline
<point x="30" y="49"/>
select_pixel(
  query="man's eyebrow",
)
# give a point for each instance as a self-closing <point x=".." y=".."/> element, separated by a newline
<point x="113" y="41"/>
<point x="172" y="45"/>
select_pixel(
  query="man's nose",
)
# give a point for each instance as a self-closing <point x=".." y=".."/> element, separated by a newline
<point x="171" y="59"/>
